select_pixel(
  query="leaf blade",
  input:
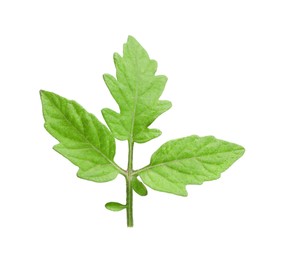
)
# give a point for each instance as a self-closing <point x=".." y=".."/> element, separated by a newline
<point x="189" y="160"/>
<point x="115" y="206"/>
<point x="137" y="90"/>
<point x="83" y="140"/>
<point x="139" y="187"/>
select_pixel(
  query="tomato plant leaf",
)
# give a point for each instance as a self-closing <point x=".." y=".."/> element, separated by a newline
<point x="139" y="187"/>
<point x="136" y="90"/>
<point x="189" y="160"/>
<point x="84" y="141"/>
<point x="115" y="206"/>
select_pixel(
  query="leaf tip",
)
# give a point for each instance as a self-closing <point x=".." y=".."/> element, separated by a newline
<point x="168" y="104"/>
<point x="42" y="93"/>
<point x="130" y="38"/>
<point x="131" y="41"/>
<point x="105" y="76"/>
<point x="183" y="192"/>
<point x="116" y="56"/>
<point x="242" y="150"/>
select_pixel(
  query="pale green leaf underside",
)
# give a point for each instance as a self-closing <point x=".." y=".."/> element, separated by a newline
<point x="136" y="90"/>
<point x="189" y="160"/>
<point x="84" y="141"/>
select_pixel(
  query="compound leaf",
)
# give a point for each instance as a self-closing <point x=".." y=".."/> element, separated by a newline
<point x="84" y="141"/>
<point x="136" y="90"/>
<point x="189" y="160"/>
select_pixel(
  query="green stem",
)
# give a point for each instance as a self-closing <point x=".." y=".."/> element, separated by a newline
<point x="129" y="190"/>
<point x="129" y="201"/>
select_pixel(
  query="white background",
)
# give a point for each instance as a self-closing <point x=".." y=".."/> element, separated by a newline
<point x="226" y="64"/>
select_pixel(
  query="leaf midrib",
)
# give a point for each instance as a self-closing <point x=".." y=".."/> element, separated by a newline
<point x="135" y="103"/>
<point x="149" y="167"/>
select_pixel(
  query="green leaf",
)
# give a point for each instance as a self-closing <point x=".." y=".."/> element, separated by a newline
<point x="136" y="90"/>
<point x="139" y="187"/>
<point x="115" y="206"/>
<point x="189" y="160"/>
<point x="84" y="141"/>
